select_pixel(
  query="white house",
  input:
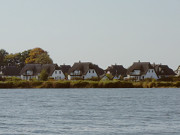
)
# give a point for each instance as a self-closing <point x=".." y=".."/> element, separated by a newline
<point x="141" y="70"/>
<point x="84" y="70"/>
<point x="31" y="71"/>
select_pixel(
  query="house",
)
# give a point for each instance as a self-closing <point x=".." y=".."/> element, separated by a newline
<point x="117" y="71"/>
<point x="31" y="71"/>
<point x="65" y="68"/>
<point x="178" y="71"/>
<point x="163" y="71"/>
<point x="84" y="70"/>
<point x="9" y="71"/>
<point x="141" y="70"/>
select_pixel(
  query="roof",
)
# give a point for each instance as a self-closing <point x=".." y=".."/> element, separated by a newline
<point x="117" y="70"/>
<point x="37" y="68"/>
<point x="142" y="66"/>
<point x="65" y="68"/>
<point x="50" y="68"/>
<point x="83" y="67"/>
<point x="163" y="70"/>
<point x="11" y="71"/>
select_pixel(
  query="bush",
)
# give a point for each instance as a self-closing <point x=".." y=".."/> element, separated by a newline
<point x="22" y="84"/>
<point x="8" y="84"/>
<point x="43" y="75"/>
<point x="12" y="79"/>
<point x="177" y="84"/>
<point x="79" y="84"/>
<point x="138" y="85"/>
<point x="166" y="79"/>
<point x="115" y="84"/>
<point x="94" y="79"/>
<point x="47" y="85"/>
<point x="61" y="84"/>
<point x="35" y="84"/>
<point x="164" y="84"/>
<point x="77" y="78"/>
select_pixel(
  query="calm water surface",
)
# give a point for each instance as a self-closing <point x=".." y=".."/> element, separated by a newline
<point x="90" y="112"/>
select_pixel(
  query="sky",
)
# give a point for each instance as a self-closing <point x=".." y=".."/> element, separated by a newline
<point x="104" y="32"/>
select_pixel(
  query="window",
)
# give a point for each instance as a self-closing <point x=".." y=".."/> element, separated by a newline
<point x="152" y="71"/>
<point x="89" y="71"/>
<point x="93" y="71"/>
<point x="59" y="72"/>
<point x="55" y="72"/>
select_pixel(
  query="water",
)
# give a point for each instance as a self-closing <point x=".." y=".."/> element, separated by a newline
<point x="90" y="112"/>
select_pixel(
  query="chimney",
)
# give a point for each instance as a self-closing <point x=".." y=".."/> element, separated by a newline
<point x="79" y="61"/>
<point x="139" y="61"/>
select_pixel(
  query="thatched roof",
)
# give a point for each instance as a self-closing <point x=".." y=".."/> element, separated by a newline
<point x="11" y="71"/>
<point x="37" y="68"/>
<point x="65" y="68"/>
<point x="83" y="67"/>
<point x="163" y="70"/>
<point x="142" y="66"/>
<point x="117" y="70"/>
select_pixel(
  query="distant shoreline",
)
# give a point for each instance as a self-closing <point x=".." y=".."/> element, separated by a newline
<point x="88" y="84"/>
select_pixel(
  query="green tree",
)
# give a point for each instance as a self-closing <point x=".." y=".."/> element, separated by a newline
<point x="17" y="59"/>
<point x="43" y="75"/>
<point x="3" y="54"/>
<point x="43" y="59"/>
<point x="110" y="76"/>
<point x="38" y="56"/>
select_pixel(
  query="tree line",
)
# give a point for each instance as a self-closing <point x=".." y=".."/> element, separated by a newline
<point x="32" y="56"/>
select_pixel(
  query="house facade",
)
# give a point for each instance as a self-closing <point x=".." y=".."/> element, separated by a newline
<point x="65" y="68"/>
<point x="84" y="70"/>
<point x="117" y="71"/>
<point x="141" y="70"/>
<point x="31" y="71"/>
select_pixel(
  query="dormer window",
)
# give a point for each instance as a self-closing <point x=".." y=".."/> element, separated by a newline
<point x="93" y="71"/>
<point x="89" y="71"/>
<point x="59" y="72"/>
<point x="55" y="72"/>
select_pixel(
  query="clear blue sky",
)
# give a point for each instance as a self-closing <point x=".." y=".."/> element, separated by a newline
<point x="104" y="32"/>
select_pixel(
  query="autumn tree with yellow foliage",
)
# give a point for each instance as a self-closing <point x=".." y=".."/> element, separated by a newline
<point x="38" y="56"/>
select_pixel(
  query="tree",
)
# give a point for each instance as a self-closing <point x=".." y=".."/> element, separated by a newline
<point x="38" y="56"/>
<point x="3" y="54"/>
<point x="43" y="59"/>
<point x="24" y="55"/>
<point x="12" y="59"/>
<point x="43" y="75"/>
<point x="110" y="76"/>
<point x="17" y="59"/>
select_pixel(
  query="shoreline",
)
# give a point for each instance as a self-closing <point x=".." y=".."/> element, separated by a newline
<point x="87" y="84"/>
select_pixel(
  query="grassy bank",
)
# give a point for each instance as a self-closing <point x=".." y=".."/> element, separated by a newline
<point x="88" y="84"/>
